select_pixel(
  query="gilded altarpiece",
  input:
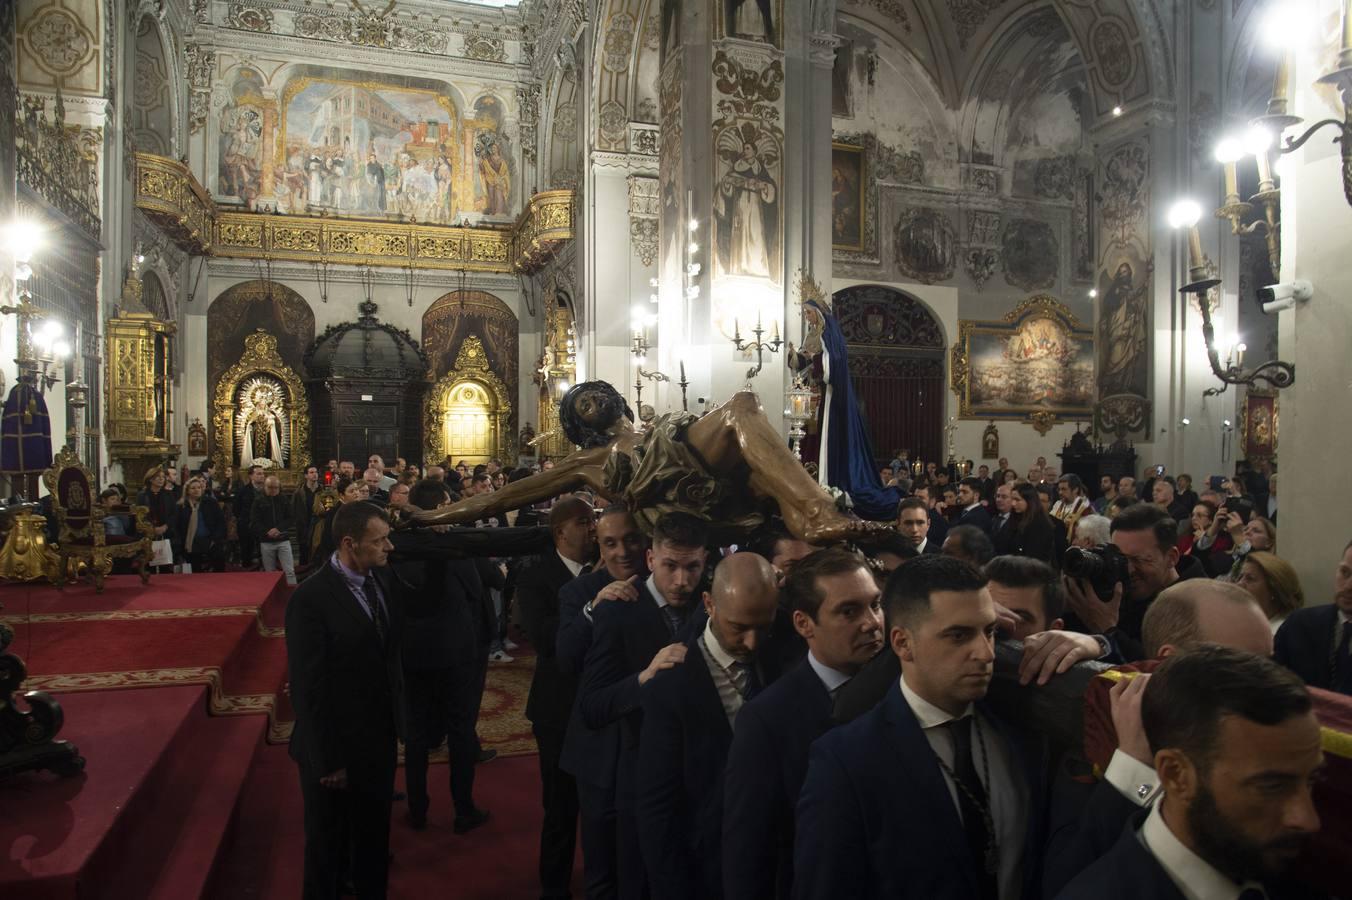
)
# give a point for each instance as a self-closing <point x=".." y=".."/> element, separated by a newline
<point x="448" y="323"/>
<point x="260" y="414"/>
<point x="140" y="392"/>
<point x="467" y="409"/>
<point x="556" y="372"/>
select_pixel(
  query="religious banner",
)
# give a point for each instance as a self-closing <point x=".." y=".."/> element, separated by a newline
<point x="1258" y="425"/>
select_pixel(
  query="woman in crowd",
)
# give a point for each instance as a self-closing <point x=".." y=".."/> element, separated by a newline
<point x="199" y="527"/>
<point x="1258" y="534"/>
<point x="1210" y="548"/>
<point x="1273" y="583"/>
<point x="160" y="504"/>
<point x="1030" y="531"/>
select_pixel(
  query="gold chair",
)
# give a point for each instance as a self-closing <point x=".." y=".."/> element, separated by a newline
<point x="79" y="517"/>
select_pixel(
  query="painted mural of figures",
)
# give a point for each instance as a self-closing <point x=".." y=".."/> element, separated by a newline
<point x="241" y="154"/>
<point x="1123" y="339"/>
<point x="375" y="184"/>
<point x="497" y="181"/>
<point x="746" y="205"/>
<point x="445" y="180"/>
<point x="751" y="20"/>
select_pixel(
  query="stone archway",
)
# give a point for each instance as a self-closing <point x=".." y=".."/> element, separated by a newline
<point x="897" y="363"/>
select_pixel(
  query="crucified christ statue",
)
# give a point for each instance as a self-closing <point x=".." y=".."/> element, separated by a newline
<point x="729" y="466"/>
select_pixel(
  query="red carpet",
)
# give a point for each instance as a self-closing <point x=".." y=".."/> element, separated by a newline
<point x="222" y="631"/>
<point x="147" y="817"/>
<point x="495" y="862"/>
<point x="165" y="688"/>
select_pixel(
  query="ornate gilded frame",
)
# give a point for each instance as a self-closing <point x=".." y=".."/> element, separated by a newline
<point x="261" y="358"/>
<point x="861" y="193"/>
<point x="1259" y="424"/>
<point x="1040" y="306"/>
<point x="471" y="364"/>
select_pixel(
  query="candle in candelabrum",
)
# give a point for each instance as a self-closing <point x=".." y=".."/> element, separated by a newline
<point x="1231" y="183"/>
<point x="1194" y="247"/>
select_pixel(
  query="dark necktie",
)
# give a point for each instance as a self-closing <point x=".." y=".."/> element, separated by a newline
<point x="750" y="684"/>
<point x="368" y="588"/>
<point x="675" y="619"/>
<point x="1342" y="660"/>
<point x="974" y="806"/>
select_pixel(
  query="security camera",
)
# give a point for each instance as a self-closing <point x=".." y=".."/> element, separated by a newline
<point x="1277" y="297"/>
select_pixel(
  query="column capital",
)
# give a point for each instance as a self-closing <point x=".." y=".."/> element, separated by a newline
<point x="821" y="49"/>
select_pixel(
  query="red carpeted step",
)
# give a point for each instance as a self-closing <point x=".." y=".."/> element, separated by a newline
<point x="161" y="783"/>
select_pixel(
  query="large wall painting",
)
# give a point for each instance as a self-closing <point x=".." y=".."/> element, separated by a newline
<point x="340" y="142"/>
<point x="1123" y="280"/>
<point x="1039" y="360"/>
<point x="749" y="143"/>
<point x="847" y="197"/>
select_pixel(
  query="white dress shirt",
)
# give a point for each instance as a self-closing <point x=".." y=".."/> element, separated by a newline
<point x="1194" y="877"/>
<point x="831" y="679"/>
<point x="726" y="679"/>
<point x="1132" y="778"/>
<point x="920" y="547"/>
<point x="573" y="565"/>
<point x="1006" y="791"/>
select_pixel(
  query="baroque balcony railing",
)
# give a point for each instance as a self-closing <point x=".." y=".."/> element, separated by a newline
<point x="168" y="193"/>
<point x="59" y="162"/>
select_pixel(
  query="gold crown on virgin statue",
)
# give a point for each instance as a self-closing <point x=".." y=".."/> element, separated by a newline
<point x="809" y="290"/>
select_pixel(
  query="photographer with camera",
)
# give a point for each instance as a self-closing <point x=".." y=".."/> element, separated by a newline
<point x="1110" y="587"/>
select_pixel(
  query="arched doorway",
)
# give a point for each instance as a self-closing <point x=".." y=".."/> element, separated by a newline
<point x="471" y="337"/>
<point x="896" y="348"/>
<point x="467" y="409"/>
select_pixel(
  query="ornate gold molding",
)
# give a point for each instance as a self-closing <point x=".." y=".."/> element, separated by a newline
<point x="261" y="358"/>
<point x="471" y="364"/>
<point x="170" y="195"/>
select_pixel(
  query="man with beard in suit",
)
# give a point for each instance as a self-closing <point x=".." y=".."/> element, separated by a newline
<point x="689" y="716"/>
<point x="552" y="689"/>
<point x="342" y="642"/>
<point x="590" y="754"/>
<point x="837" y="609"/>
<point x="631" y="643"/>
<point x="1237" y="748"/>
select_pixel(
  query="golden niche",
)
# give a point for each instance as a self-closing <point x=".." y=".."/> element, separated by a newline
<point x="467" y="409"/>
<point x="261" y="415"/>
<point x="139" y="384"/>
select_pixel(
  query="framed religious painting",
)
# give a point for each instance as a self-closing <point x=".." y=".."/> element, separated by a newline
<point x="1258" y="425"/>
<point x="1038" y="363"/>
<point x="847" y="197"/>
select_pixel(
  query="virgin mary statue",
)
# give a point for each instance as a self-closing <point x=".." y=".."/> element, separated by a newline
<point x="261" y="416"/>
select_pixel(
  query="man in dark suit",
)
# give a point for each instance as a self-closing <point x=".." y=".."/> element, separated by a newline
<point x="440" y="670"/>
<point x="1237" y="747"/>
<point x="1316" y="642"/>
<point x="913" y="521"/>
<point x="938" y="525"/>
<point x="930" y="769"/>
<point x="836" y="608"/>
<point x="689" y="716"/>
<point x="590" y="754"/>
<point x="244" y="498"/>
<point x="303" y="511"/>
<point x="969" y="498"/>
<point x="342" y="643"/>
<point x="553" y="688"/>
<point x="631" y="643"/>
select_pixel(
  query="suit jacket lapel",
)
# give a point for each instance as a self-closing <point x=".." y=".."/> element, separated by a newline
<point x="653" y="629"/>
<point x="918" y="763"/>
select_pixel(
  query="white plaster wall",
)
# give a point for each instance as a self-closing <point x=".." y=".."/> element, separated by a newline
<point x="1316" y="428"/>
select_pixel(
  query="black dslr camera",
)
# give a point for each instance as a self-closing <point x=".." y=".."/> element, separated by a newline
<point x="1103" y="567"/>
